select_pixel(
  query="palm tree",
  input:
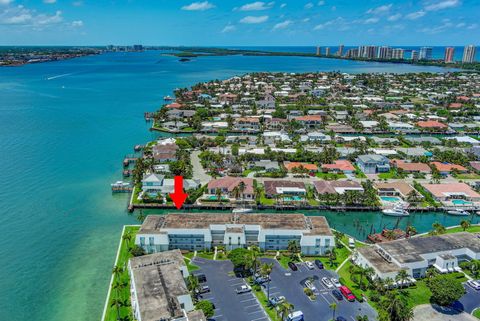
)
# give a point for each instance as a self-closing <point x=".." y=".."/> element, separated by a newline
<point x="127" y="237"/>
<point x="218" y="194"/>
<point x="402" y="277"/>
<point x="410" y="230"/>
<point x="242" y="187"/>
<point x="118" y="286"/>
<point x="117" y="303"/>
<point x="333" y="307"/>
<point x="193" y="285"/>
<point x="265" y="271"/>
<point x="294" y="248"/>
<point x="236" y="192"/>
<point x="438" y="229"/>
<point x="284" y="309"/>
<point x="117" y="271"/>
<point x="255" y="252"/>
<point x="465" y="224"/>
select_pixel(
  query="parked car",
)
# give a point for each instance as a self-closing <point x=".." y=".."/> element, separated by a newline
<point x="292" y="266"/>
<point x="319" y="264"/>
<point x="203" y="289"/>
<point x="309" y="284"/>
<point x="347" y="293"/>
<point x="295" y="316"/>
<point x="340" y="318"/>
<point x="475" y="284"/>
<point x="351" y="242"/>
<point x="335" y="282"/>
<point x="327" y="282"/>
<point x="309" y="265"/>
<point x="337" y="294"/>
<point x="201" y="278"/>
<point x="261" y="279"/>
<point x="243" y="289"/>
<point x="275" y="300"/>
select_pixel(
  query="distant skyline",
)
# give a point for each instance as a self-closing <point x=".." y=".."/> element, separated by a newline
<point x="240" y="23"/>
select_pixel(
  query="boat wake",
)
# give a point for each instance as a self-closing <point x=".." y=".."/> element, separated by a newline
<point x="59" y="76"/>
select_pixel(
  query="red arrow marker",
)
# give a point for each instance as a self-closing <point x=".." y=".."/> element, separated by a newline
<point x="178" y="196"/>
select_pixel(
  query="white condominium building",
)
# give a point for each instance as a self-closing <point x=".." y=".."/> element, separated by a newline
<point x="205" y="231"/>
<point x="416" y="255"/>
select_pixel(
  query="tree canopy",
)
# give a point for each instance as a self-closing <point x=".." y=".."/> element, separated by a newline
<point x="445" y="289"/>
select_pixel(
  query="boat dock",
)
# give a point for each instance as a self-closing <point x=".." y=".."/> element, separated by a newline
<point x="128" y="159"/>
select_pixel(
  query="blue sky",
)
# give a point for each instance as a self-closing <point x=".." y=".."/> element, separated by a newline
<point x="226" y="22"/>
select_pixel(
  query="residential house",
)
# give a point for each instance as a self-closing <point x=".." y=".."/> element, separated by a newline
<point x="227" y="185"/>
<point x="339" y="166"/>
<point x="336" y="187"/>
<point x="410" y="168"/>
<point x="284" y="188"/>
<point x="372" y="164"/>
<point x="452" y="192"/>
<point x="310" y="121"/>
<point x="446" y="168"/>
<point x="311" y="168"/>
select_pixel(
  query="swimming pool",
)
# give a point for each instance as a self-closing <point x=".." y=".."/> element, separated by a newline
<point x="461" y="202"/>
<point x="292" y="198"/>
<point x="390" y="199"/>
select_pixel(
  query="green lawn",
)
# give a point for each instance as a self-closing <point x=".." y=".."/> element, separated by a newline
<point x="471" y="229"/>
<point x="342" y="255"/>
<point x="390" y="175"/>
<point x="357" y="243"/>
<point x="467" y="176"/>
<point x="205" y="255"/>
<point x="476" y="313"/>
<point x="359" y="173"/>
<point x="283" y="260"/>
<point x="124" y="293"/>
<point x="262" y="298"/>
<point x="266" y="201"/>
<point x="330" y="176"/>
<point x="190" y="266"/>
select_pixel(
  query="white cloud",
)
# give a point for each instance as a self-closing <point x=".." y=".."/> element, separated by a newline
<point x="254" y="19"/>
<point x="461" y="25"/>
<point x="309" y="5"/>
<point x="371" y="20"/>
<point x="256" y="6"/>
<point x="49" y="1"/>
<point x="229" y="28"/>
<point x="415" y="15"/>
<point x="472" y="26"/>
<point x="380" y="10"/>
<point x="306" y="20"/>
<point x="282" y="25"/>
<point x="320" y="3"/>
<point x="394" y="17"/>
<point x="439" y="5"/>
<point x="77" y="3"/>
<point x="199" y="6"/>
<point x="77" y="23"/>
<point x="22" y="16"/>
<point x="5" y="2"/>
<point x="438" y="29"/>
<point x="337" y="22"/>
<point x="283" y="5"/>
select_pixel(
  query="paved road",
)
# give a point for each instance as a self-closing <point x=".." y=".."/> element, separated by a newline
<point x="198" y="171"/>
<point x="427" y="312"/>
<point x="470" y="301"/>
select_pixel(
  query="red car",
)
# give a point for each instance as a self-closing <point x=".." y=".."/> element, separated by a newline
<point x="347" y="293"/>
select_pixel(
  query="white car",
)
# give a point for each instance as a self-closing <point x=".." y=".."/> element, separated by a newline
<point x="475" y="284"/>
<point x="310" y="285"/>
<point x="243" y="289"/>
<point x="309" y="265"/>
<point x="335" y="282"/>
<point x="327" y="283"/>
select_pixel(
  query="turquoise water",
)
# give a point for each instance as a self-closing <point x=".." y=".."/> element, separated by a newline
<point x="64" y="128"/>
<point x="292" y="198"/>
<point x="461" y="202"/>
<point x="390" y="199"/>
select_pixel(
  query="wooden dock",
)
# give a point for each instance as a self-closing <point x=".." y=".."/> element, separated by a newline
<point x="129" y="159"/>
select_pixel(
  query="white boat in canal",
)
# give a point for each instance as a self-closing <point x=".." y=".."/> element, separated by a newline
<point x="458" y="212"/>
<point x="120" y="184"/>
<point x="167" y="98"/>
<point x="241" y="210"/>
<point x="397" y="211"/>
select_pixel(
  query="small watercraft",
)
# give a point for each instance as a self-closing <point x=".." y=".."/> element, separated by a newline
<point x="120" y="184"/>
<point x="167" y="98"/>
<point x="397" y="210"/>
<point x="241" y="210"/>
<point x="458" y="212"/>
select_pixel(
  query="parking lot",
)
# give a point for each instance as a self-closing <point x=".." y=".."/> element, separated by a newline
<point x="470" y="301"/>
<point x="229" y="306"/>
<point x="289" y="284"/>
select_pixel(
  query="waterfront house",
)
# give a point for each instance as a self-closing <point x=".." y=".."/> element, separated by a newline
<point x="453" y="193"/>
<point x="275" y="188"/>
<point x="197" y="232"/>
<point x="371" y="164"/>
<point x="400" y="189"/>
<point x="228" y="184"/>
<point x="310" y="121"/>
<point x="431" y="125"/>
<point x="268" y="102"/>
<point x="313" y="137"/>
<point x="322" y="187"/>
<point x="247" y="124"/>
<point x="152" y="183"/>
<point x="265" y="164"/>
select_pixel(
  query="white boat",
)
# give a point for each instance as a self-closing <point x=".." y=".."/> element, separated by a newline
<point x="458" y="212"/>
<point x="120" y="184"/>
<point x="167" y="98"/>
<point x="242" y="210"/>
<point x="397" y="210"/>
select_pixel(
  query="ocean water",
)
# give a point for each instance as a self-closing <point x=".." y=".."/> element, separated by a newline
<point x="64" y="129"/>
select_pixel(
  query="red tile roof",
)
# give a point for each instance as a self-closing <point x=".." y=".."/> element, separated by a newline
<point x="447" y="167"/>
<point x="412" y="167"/>
<point x="291" y="165"/>
<point x="431" y="124"/>
<point x="341" y="165"/>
